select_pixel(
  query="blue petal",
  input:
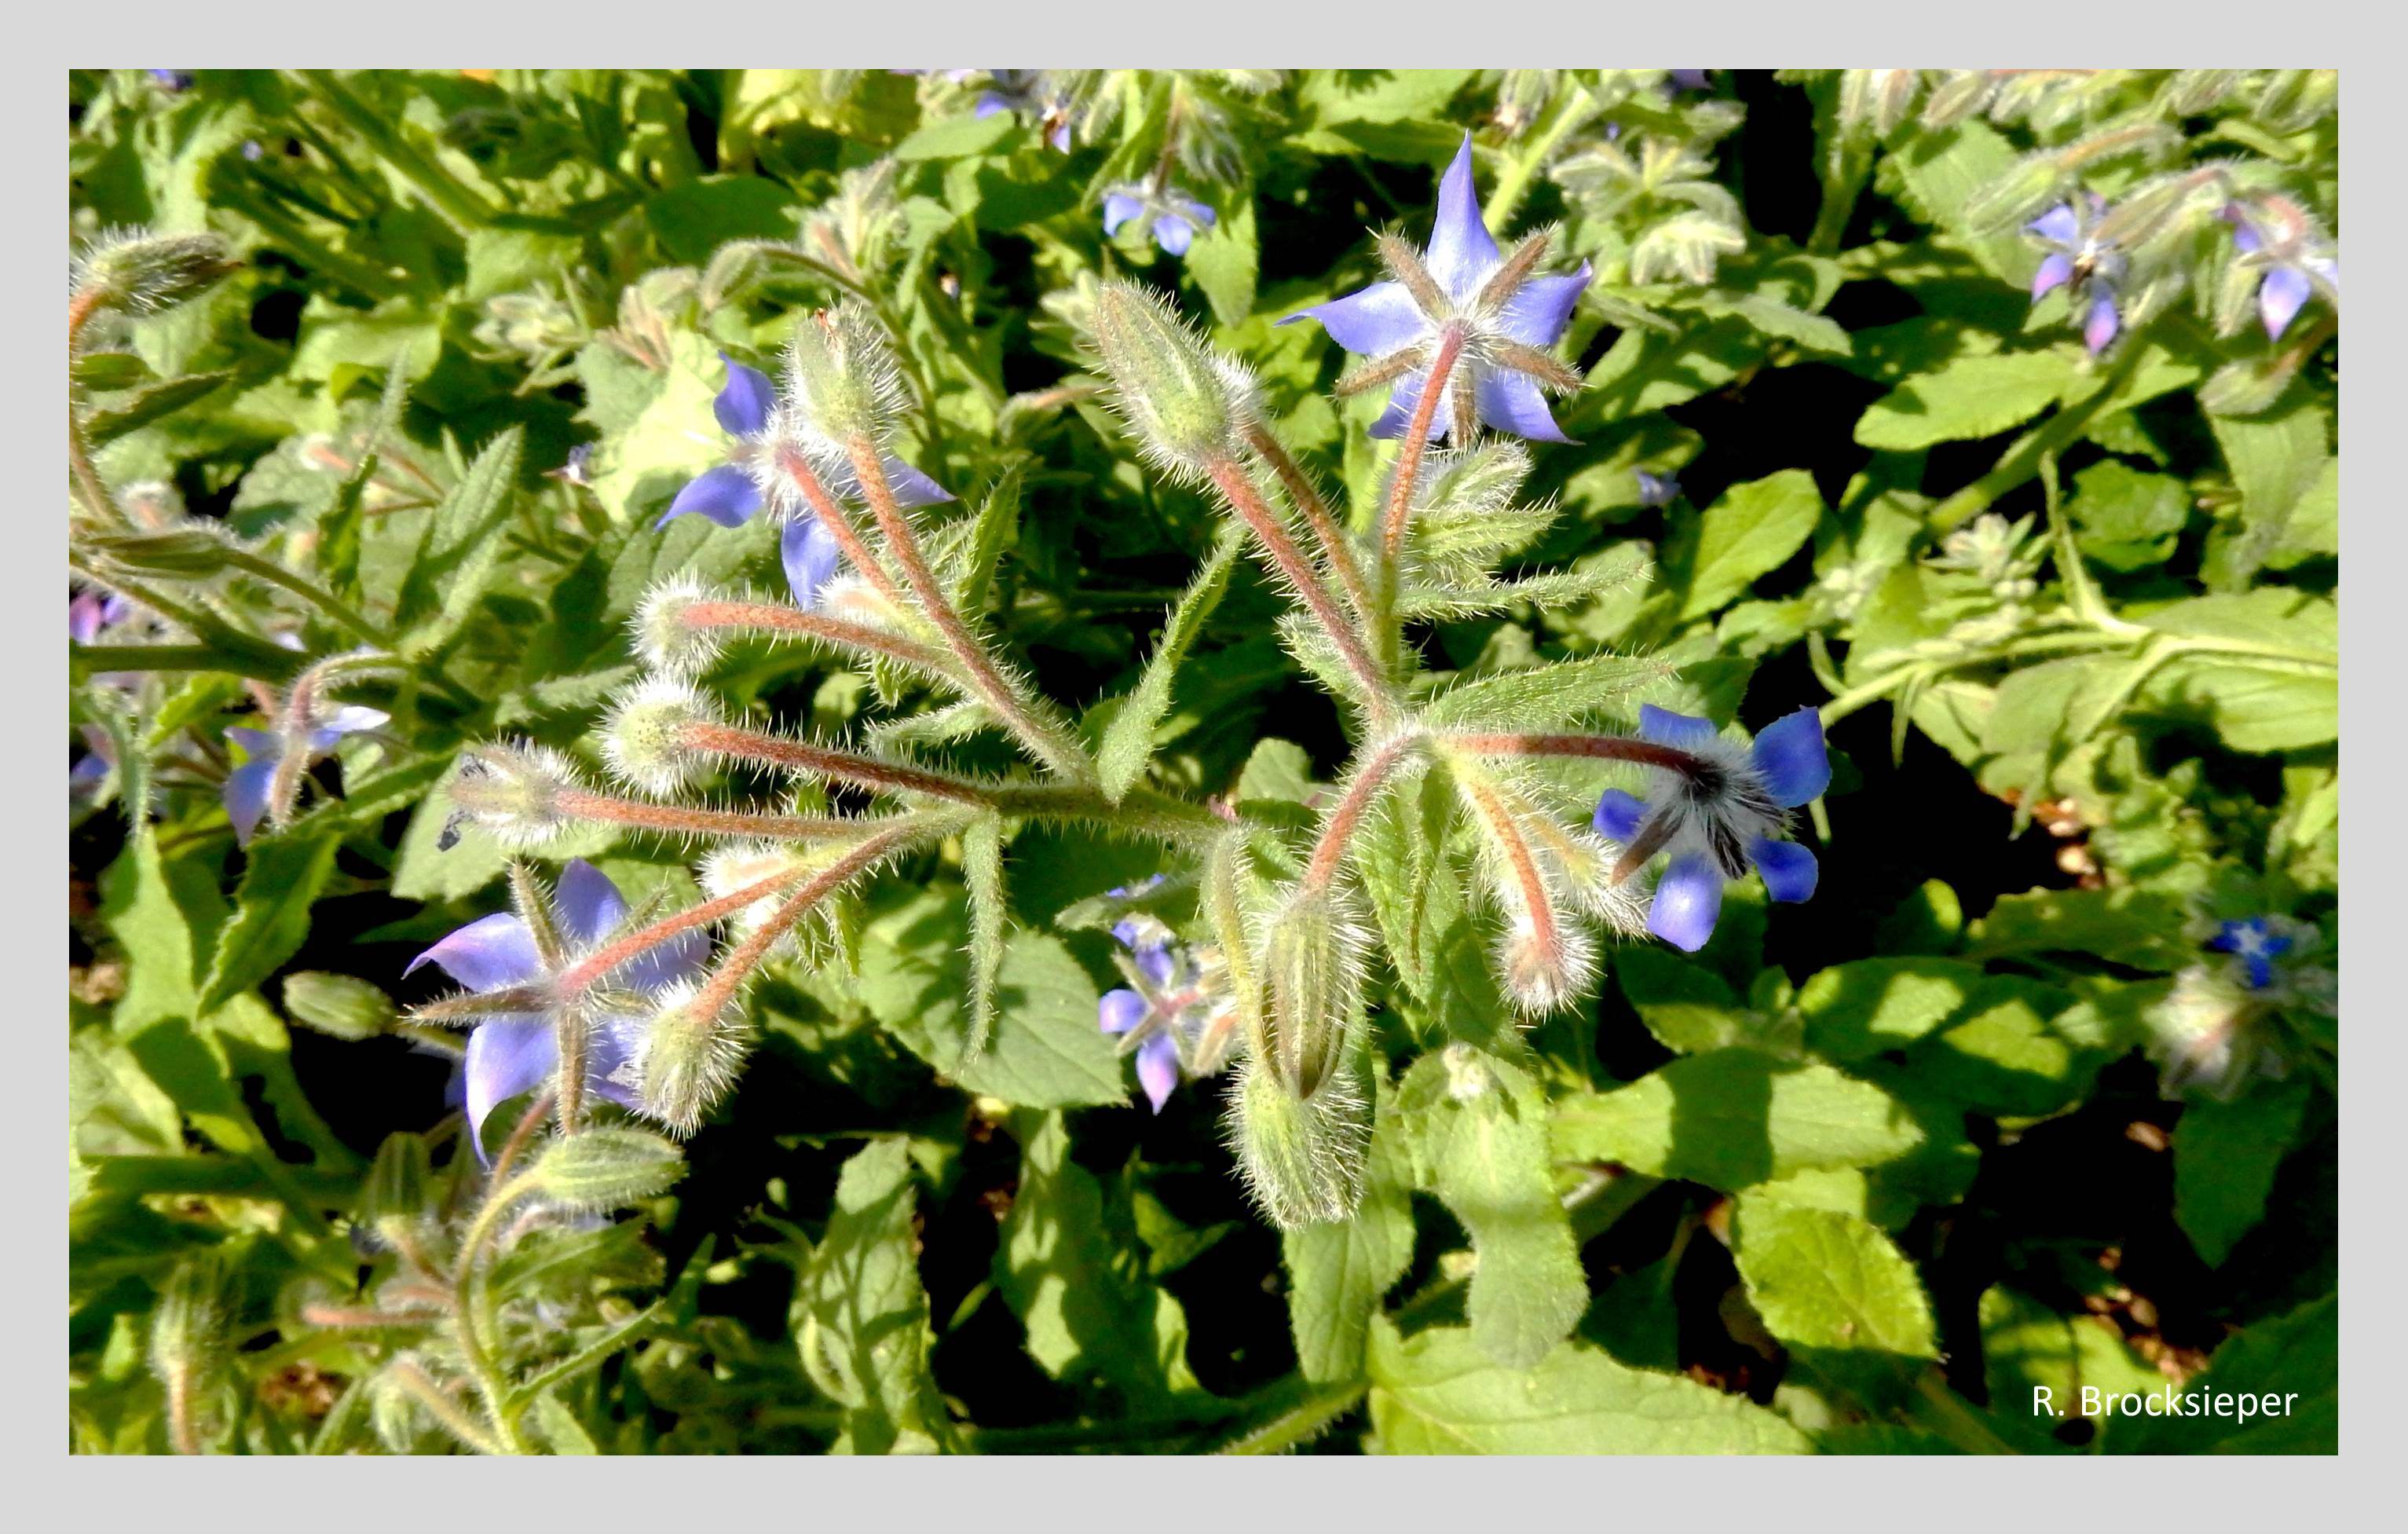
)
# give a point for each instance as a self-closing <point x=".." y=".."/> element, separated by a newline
<point x="1174" y="233"/>
<point x="683" y="958"/>
<point x="810" y="553"/>
<point x="744" y="405"/>
<point x="1667" y="728"/>
<point x="1537" y="314"/>
<point x="2244" y="237"/>
<point x="1155" y="962"/>
<point x="507" y="1055"/>
<point x="1060" y="136"/>
<point x="990" y="104"/>
<point x="259" y="745"/>
<point x="1789" y="869"/>
<point x="2101" y="326"/>
<point x="2057" y="225"/>
<point x="1461" y="252"/>
<point x="1619" y="815"/>
<point x="2280" y="297"/>
<point x="1510" y="402"/>
<point x="487" y="954"/>
<point x="615" y="1040"/>
<point x="726" y="495"/>
<point x="1657" y="490"/>
<point x="1119" y="208"/>
<point x="1403" y="398"/>
<point x="246" y="795"/>
<point x="1372" y="322"/>
<point x="911" y="486"/>
<point x="1120" y="1011"/>
<point x="1689" y="899"/>
<point x="591" y="906"/>
<point x="1157" y="1068"/>
<point x="1795" y="763"/>
<point x="2055" y="270"/>
<point x="2261" y="970"/>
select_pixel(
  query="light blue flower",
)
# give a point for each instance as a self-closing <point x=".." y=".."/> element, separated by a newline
<point x="2254" y="941"/>
<point x="1176" y="217"/>
<point x="731" y="495"/>
<point x="1026" y="92"/>
<point x="511" y="1052"/>
<point x="248" y="788"/>
<point x="1657" y="490"/>
<point x="2290" y="270"/>
<point x="1720" y="818"/>
<point x="1507" y="331"/>
<point x="2086" y="268"/>
<point x="1175" y="1015"/>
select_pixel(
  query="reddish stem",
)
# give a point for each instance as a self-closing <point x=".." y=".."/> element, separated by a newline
<point x="776" y="618"/>
<point x="1247" y="501"/>
<point x="677" y="820"/>
<point x="1346" y="817"/>
<point x="1316" y="512"/>
<point x="1416" y="443"/>
<point x="602" y="961"/>
<point x="747" y="955"/>
<point x="840" y="765"/>
<point x="1618" y="748"/>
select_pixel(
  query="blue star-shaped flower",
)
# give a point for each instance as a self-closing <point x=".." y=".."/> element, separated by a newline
<point x="2254" y="942"/>
<point x="2087" y="268"/>
<point x="1176" y="217"/>
<point x="1508" y="315"/>
<point x="2291" y="271"/>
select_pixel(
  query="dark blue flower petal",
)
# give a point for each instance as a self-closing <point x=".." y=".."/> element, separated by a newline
<point x="1157" y="1068"/>
<point x="1462" y="253"/>
<point x="1372" y="322"/>
<point x="1120" y="1010"/>
<point x="1510" y="402"/>
<point x="744" y="405"/>
<point x="1537" y="312"/>
<point x="726" y="495"/>
<point x="1619" y="815"/>
<point x="259" y="745"/>
<point x="2260" y="968"/>
<point x="1688" y="900"/>
<point x="683" y="958"/>
<point x="246" y="795"/>
<point x="591" y="906"/>
<point x="1667" y="728"/>
<point x="1792" y="758"/>
<point x="810" y="552"/>
<point x="487" y="954"/>
<point x="507" y="1055"/>
<point x="1155" y="962"/>
<point x="1789" y="869"/>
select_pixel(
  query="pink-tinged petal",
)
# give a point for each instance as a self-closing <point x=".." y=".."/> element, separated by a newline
<point x="1789" y="870"/>
<point x="488" y="954"/>
<point x="1120" y="1011"/>
<point x="726" y="495"/>
<point x="351" y="719"/>
<point x="1119" y="208"/>
<point x="2057" y="225"/>
<point x="744" y="405"/>
<point x="1510" y="402"/>
<point x="1689" y="901"/>
<point x="1667" y="728"/>
<point x="590" y="906"/>
<point x="2101" y="326"/>
<point x="1157" y="1068"/>
<point x="1372" y="322"/>
<point x="1462" y="253"/>
<point x="2280" y="297"/>
<point x="1538" y="313"/>
<point x="1619" y="815"/>
<point x="2054" y="272"/>
<point x="507" y="1055"/>
<point x="246" y="795"/>
<point x="1174" y="233"/>
<point x="1792" y="758"/>
<point x="911" y="486"/>
<point x="810" y="552"/>
<point x="86" y="616"/>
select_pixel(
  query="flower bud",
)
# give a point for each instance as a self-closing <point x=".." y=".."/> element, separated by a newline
<point x="1312" y="980"/>
<point x="1302" y="1158"/>
<point x="600" y="1170"/>
<point x="1185" y="402"/>
<point x="138" y="272"/>
<point x="343" y="1006"/>
<point x="188" y="1347"/>
<point x="841" y="375"/>
<point x="643" y="740"/>
<point x="512" y="791"/>
<point x="399" y="1188"/>
<point x="663" y="637"/>
<point x="688" y="1058"/>
<point x="743" y="865"/>
<point x="186" y="553"/>
<point x="2011" y="201"/>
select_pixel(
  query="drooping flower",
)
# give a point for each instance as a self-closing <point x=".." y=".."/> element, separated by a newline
<point x="1719" y="819"/>
<point x="1176" y="1014"/>
<point x="511" y="1052"/>
<point x="250" y="789"/>
<point x="1175" y="215"/>
<point x="748" y="410"/>
<point x="1508" y="315"/>
<point x="1026" y="93"/>
<point x="2088" y="269"/>
<point x="2292" y="267"/>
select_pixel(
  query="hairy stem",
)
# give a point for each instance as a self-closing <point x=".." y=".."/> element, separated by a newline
<point x="1332" y="537"/>
<point x="1238" y="490"/>
<point x="1346" y="816"/>
<point x="841" y="767"/>
<point x="746" y="957"/>
<point x="604" y="960"/>
<point x="1406" y="478"/>
<point x="1616" y="748"/>
<point x="775" y="618"/>
<point x="678" y="820"/>
<point x="474" y="1346"/>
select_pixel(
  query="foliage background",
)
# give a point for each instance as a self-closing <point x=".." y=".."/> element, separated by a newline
<point x="1856" y="1178"/>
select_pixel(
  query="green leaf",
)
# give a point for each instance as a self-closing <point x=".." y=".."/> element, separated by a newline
<point x="2028" y="1348"/>
<point x="2225" y="1154"/>
<point x="284" y="876"/>
<point x="1970" y="397"/>
<point x="861" y="1316"/>
<point x="1855" y="1010"/>
<point x="2265" y="672"/>
<point x="1339" y="1271"/>
<point x="1828" y="1281"/>
<point x="1129" y="739"/>
<point x="1734" y="1118"/>
<point x="1437" y="1393"/>
<point x="1402" y="863"/>
<point x="1479" y="1125"/>
<point x="1047" y="1050"/>
<point x="982" y="879"/>
<point x="1224" y="259"/>
<point x="997" y="525"/>
<point x="2127" y="519"/>
<point x="697" y="217"/>
<point x="1687" y="1007"/>
<point x="1545" y="696"/>
<point x="955" y="138"/>
<point x="2294" y="1358"/>
<point x="1751" y="530"/>
<point x="460" y="547"/>
<point x="147" y="404"/>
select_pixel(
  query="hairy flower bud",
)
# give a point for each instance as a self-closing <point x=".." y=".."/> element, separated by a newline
<point x="1302" y="1158"/>
<point x="1312" y="978"/>
<point x="689" y="1056"/>
<point x="841" y="376"/>
<point x="189" y="1349"/>
<point x="1185" y="402"/>
<point x="643" y="736"/>
<point x="662" y="636"/>
<point x="139" y="273"/>
<point x="513" y="793"/>
<point x="343" y="1006"/>
<point x="399" y="1188"/>
<point x="600" y="1170"/>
